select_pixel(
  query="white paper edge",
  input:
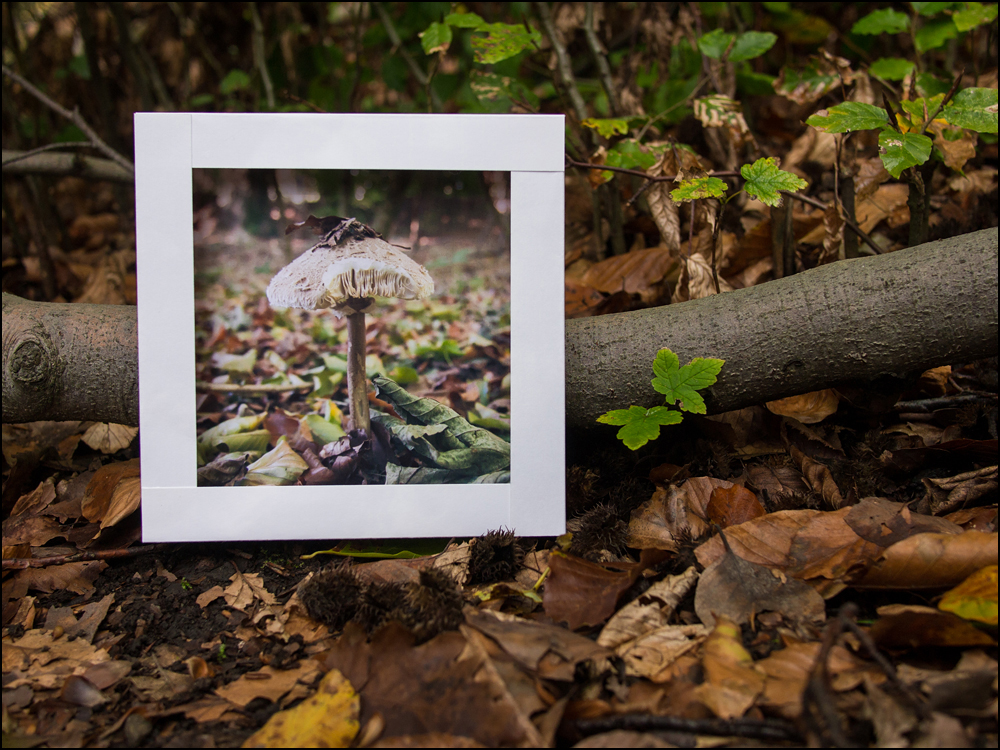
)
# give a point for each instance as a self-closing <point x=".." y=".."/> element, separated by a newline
<point x="169" y="145"/>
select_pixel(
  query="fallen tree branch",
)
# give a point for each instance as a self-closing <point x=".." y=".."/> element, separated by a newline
<point x="851" y="321"/>
<point x="78" y="165"/>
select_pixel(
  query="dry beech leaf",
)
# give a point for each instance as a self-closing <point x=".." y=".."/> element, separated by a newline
<point x="109" y="438"/>
<point x="778" y="481"/>
<point x="653" y="654"/>
<point x="731" y="506"/>
<point x="579" y="592"/>
<point x="35" y="501"/>
<point x="931" y="561"/>
<point x="732" y="589"/>
<point x="98" y="496"/>
<point x="268" y="683"/>
<point x="649" y="611"/>
<point x="77" y="577"/>
<point x="666" y="214"/>
<point x="961" y="490"/>
<point x="696" y="280"/>
<point x="125" y="501"/>
<point x="914" y="626"/>
<point x="808" y="408"/>
<point x="884" y="522"/>
<point x="672" y="511"/>
<point x="581" y="299"/>
<point x="819" y="478"/>
<point x="731" y="683"/>
<point x="328" y="718"/>
<point x="632" y="272"/>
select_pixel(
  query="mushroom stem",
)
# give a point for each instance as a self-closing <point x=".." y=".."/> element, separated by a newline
<point x="357" y="381"/>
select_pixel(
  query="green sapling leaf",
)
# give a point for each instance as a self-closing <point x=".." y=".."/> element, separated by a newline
<point x="764" y="179"/>
<point x="934" y="34"/>
<point x="891" y="68"/>
<point x="715" y="43"/>
<point x="435" y="38"/>
<point x="902" y="150"/>
<point x="683" y="383"/>
<point x="607" y="127"/>
<point x="751" y="44"/>
<point x="465" y="20"/>
<point x="699" y="187"/>
<point x="974" y="14"/>
<point x="886" y="21"/>
<point x="504" y="40"/>
<point x="639" y="425"/>
<point x="843" y="118"/>
<point x="973" y="108"/>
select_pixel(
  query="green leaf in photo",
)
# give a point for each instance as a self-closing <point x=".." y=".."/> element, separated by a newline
<point x="973" y="108"/>
<point x="699" y="187"/>
<point x="973" y="15"/>
<point x="682" y="384"/>
<point x="242" y="442"/>
<point x="902" y="150"/>
<point x="607" y="127"/>
<point x="849" y="116"/>
<point x="235" y="363"/>
<point x="934" y="34"/>
<point x="764" y="178"/>
<point x="436" y="38"/>
<point x="639" y="425"/>
<point x="891" y="68"/>
<point x="751" y="44"/>
<point x="323" y="430"/>
<point x="715" y="43"/>
<point x="885" y="21"/>
<point x="280" y="466"/>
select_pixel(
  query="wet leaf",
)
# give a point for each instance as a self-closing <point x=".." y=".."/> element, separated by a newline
<point x="328" y="718"/>
<point x="975" y="598"/>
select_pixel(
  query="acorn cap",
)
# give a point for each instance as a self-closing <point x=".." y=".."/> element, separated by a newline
<point x="343" y="275"/>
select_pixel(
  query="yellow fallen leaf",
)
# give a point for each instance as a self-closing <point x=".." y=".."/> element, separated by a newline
<point x="328" y="719"/>
<point x="731" y="683"/>
<point x="975" y="598"/>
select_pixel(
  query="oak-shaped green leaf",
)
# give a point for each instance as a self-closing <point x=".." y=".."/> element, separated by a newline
<point x="973" y="15"/>
<point x="934" y="34"/>
<point x="751" y="44"/>
<point x="699" y="187"/>
<point x="975" y="109"/>
<point x="715" y="43"/>
<point x="764" y="178"/>
<point x="682" y="384"/>
<point x="849" y="116"/>
<point x="891" y="68"/>
<point x="902" y="150"/>
<point x="885" y="21"/>
<point x="607" y="127"/>
<point x="639" y="425"/>
<point x="436" y="38"/>
<point x="503" y="40"/>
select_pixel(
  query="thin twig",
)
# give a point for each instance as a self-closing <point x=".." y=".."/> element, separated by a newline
<point x="563" y="62"/>
<point x="818" y="694"/>
<point x="11" y="157"/>
<point x="257" y="43"/>
<point x="397" y="44"/>
<point x="234" y="388"/>
<point x="22" y="563"/>
<point x="90" y="167"/>
<point x="599" y="57"/>
<point x="947" y="98"/>
<point x="763" y="729"/>
<point x="640" y="173"/>
<point x="73" y="117"/>
<point x="853" y="227"/>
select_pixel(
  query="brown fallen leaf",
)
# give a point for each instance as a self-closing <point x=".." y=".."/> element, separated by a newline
<point x="731" y="506"/>
<point x="654" y="654"/>
<point x="579" y="592"/>
<point x="819" y="478"/>
<point x="884" y="522"/>
<point x="650" y="611"/>
<point x="672" y="512"/>
<point x="268" y="683"/>
<point x="581" y="300"/>
<point x="109" y="438"/>
<point x="731" y="683"/>
<point x="931" y="561"/>
<point x="328" y="718"/>
<point x="914" y="626"/>
<point x="35" y="501"/>
<point x="633" y="272"/>
<point x="808" y="408"/>
<point x="961" y="490"/>
<point x="244" y="589"/>
<point x="77" y="577"/>
<point x="736" y="591"/>
<point x="98" y="497"/>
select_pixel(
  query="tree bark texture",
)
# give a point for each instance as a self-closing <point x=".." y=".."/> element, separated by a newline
<point x="856" y="320"/>
<point x="64" y="361"/>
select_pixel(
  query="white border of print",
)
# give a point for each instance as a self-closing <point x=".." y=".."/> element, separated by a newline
<point x="169" y="145"/>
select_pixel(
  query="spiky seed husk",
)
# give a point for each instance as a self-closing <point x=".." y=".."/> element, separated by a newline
<point x="332" y="596"/>
<point x="380" y="603"/>
<point x="433" y="605"/>
<point x="495" y="556"/>
<point x="600" y="528"/>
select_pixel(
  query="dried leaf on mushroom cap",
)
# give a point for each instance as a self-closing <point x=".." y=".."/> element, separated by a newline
<point x="342" y="275"/>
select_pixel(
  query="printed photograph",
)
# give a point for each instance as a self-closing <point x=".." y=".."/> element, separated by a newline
<point x="352" y="327"/>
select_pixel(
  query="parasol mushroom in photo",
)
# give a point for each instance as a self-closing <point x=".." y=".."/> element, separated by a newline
<point x="343" y="271"/>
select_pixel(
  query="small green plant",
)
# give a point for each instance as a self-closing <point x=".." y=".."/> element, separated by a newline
<point x="678" y="385"/>
<point x="186" y="584"/>
<point x="220" y="655"/>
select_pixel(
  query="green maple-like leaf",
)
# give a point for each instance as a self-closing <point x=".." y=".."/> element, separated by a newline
<point x="886" y="21"/>
<point x="902" y="150"/>
<point x="973" y="108"/>
<point x="764" y="179"/>
<point x="849" y="116"/>
<point x="639" y="425"/>
<point x="682" y="384"/>
<point x="699" y="187"/>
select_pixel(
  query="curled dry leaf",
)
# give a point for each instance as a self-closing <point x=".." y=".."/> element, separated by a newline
<point x="819" y="478"/>
<point x="961" y="490"/>
<point x="673" y="511"/>
<point x="931" y="561"/>
<point x="649" y="611"/>
<point x="653" y="654"/>
<point x="731" y="683"/>
<point x="109" y="438"/>
<point x="808" y="408"/>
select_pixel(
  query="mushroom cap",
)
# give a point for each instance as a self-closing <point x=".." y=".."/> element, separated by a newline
<point x="332" y="276"/>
